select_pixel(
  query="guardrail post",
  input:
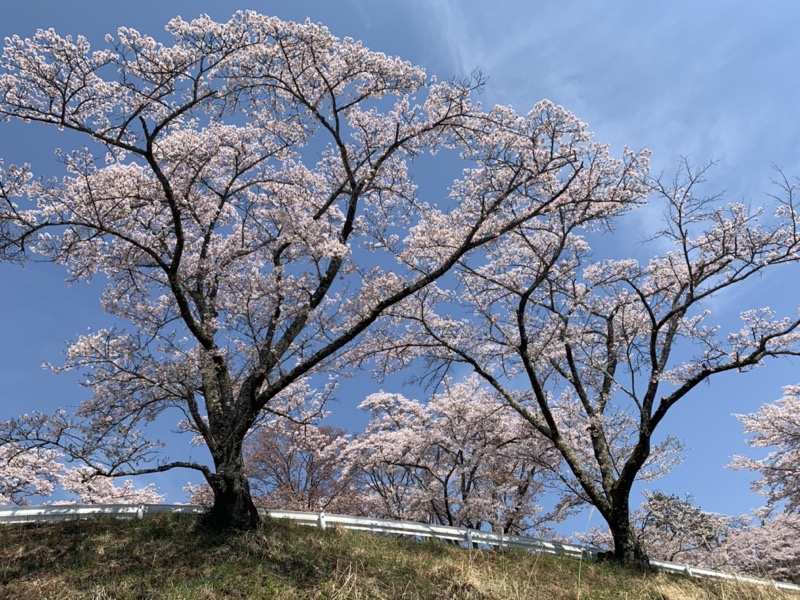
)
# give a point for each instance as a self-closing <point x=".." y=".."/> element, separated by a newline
<point x="140" y="511"/>
<point x="469" y="538"/>
<point x="321" y="520"/>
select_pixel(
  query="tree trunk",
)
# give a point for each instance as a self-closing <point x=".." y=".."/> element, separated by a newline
<point x="233" y="506"/>
<point x="628" y="549"/>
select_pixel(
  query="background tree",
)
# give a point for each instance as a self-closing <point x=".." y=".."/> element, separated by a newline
<point x="247" y="194"/>
<point x="676" y="530"/>
<point x="25" y="473"/>
<point x="462" y="459"/>
<point x="776" y="426"/>
<point x="766" y="548"/>
<point x="300" y="466"/>
<point x="38" y="473"/>
<point x="87" y="487"/>
<point x="594" y="354"/>
<point x="770" y="545"/>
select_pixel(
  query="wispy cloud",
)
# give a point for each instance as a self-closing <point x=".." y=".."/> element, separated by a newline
<point x="713" y="80"/>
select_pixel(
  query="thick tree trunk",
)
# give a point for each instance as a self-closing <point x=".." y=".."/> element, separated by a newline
<point x="628" y="549"/>
<point x="233" y="506"/>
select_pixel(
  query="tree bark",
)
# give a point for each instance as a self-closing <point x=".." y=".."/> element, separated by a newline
<point x="233" y="507"/>
<point x="628" y="549"/>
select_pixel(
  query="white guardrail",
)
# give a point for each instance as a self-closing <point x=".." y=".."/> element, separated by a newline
<point x="62" y="512"/>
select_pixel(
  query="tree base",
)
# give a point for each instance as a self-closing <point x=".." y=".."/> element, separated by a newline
<point x="639" y="565"/>
<point x="216" y="519"/>
<point x="231" y="512"/>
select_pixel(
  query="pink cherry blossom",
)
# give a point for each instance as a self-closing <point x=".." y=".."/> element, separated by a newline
<point x="592" y="353"/>
<point x="89" y="488"/>
<point x="27" y="473"/>
<point x="246" y="192"/>
<point x="776" y="426"/>
<point x="38" y="474"/>
<point x="464" y="458"/>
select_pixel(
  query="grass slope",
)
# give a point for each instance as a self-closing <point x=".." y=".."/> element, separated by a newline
<point x="165" y="557"/>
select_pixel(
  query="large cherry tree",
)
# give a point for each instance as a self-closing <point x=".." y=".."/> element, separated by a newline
<point x="247" y="191"/>
<point x="595" y="353"/>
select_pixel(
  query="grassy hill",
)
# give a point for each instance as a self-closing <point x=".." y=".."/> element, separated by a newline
<point x="165" y="557"/>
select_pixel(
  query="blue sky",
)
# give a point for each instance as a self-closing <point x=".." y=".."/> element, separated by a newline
<point x="715" y="80"/>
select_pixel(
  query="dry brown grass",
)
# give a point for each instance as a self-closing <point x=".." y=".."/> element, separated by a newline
<point x="166" y="557"/>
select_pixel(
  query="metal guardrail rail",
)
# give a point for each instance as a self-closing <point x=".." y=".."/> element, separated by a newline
<point x="67" y="512"/>
<point x="62" y="512"/>
<point x="439" y="532"/>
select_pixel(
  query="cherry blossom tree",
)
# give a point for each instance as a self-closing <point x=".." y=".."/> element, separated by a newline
<point x="246" y="190"/>
<point x="89" y="488"/>
<point x="38" y="473"/>
<point x="300" y="466"/>
<point x="25" y="473"/>
<point x="768" y="548"/>
<point x="594" y="353"/>
<point x="199" y="494"/>
<point x="676" y="530"/>
<point x="463" y="458"/>
<point x="776" y="426"/>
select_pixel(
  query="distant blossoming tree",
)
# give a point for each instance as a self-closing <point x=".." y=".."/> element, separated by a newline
<point x="25" y="473"/>
<point x="595" y="353"/>
<point x="776" y="426"/>
<point x="771" y="544"/>
<point x="89" y="488"/>
<point x="247" y="192"/>
<point x="38" y="474"/>
<point x="300" y="466"/>
<point x="768" y="548"/>
<point x="463" y="458"/>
